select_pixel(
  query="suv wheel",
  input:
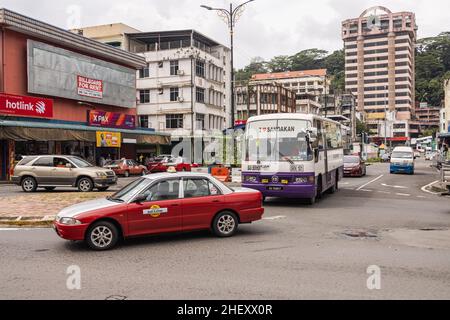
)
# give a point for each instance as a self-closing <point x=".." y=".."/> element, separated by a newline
<point x="29" y="184"/>
<point x="85" y="185"/>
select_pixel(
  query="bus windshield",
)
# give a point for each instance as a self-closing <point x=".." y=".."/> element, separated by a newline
<point x="278" y="140"/>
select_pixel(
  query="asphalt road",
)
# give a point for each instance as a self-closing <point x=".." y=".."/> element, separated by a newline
<point x="297" y="252"/>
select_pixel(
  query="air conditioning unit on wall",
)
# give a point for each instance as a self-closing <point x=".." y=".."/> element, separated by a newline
<point x="180" y="99"/>
<point x="180" y="72"/>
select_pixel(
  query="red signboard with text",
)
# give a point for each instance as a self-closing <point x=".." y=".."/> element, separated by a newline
<point x="88" y="87"/>
<point x="26" y="106"/>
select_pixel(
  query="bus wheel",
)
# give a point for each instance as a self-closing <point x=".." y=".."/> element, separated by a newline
<point x="335" y="187"/>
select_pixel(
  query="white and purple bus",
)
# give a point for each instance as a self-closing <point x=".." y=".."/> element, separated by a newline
<point x="293" y="156"/>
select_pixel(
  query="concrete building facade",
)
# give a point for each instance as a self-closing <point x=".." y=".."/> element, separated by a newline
<point x="259" y="99"/>
<point x="185" y="86"/>
<point x="310" y="86"/>
<point x="380" y="64"/>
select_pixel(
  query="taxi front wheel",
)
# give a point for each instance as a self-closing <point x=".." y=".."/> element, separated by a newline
<point x="225" y="224"/>
<point x="102" y="236"/>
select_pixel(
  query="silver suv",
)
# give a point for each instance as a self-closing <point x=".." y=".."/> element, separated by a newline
<point x="50" y="172"/>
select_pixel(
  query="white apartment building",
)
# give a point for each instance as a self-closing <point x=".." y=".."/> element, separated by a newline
<point x="310" y="86"/>
<point x="185" y="86"/>
<point x="380" y="64"/>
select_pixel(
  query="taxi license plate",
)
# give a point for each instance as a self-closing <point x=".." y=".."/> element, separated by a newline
<point x="275" y="188"/>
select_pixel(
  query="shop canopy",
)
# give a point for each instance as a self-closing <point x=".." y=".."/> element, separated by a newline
<point x="44" y="131"/>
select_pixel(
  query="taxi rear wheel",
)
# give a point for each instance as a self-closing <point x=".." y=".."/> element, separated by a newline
<point x="225" y="224"/>
<point x="102" y="236"/>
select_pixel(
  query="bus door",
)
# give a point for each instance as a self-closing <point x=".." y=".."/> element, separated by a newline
<point x="322" y="159"/>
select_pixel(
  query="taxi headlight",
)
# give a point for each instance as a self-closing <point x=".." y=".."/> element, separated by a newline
<point x="101" y="175"/>
<point x="69" y="221"/>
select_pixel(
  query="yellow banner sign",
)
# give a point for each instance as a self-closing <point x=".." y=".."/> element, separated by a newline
<point x="375" y="116"/>
<point x="109" y="139"/>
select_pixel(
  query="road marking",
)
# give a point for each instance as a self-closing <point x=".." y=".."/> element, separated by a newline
<point x="365" y="190"/>
<point x="403" y="194"/>
<point x="384" y="192"/>
<point x="424" y="188"/>
<point x="396" y="187"/>
<point x="370" y="182"/>
<point x="275" y="218"/>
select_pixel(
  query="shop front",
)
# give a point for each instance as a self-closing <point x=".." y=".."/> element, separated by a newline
<point x="25" y="138"/>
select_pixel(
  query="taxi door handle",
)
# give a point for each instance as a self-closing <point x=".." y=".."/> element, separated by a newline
<point x="216" y="201"/>
<point x="175" y="205"/>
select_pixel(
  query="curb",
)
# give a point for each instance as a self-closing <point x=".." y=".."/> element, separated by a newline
<point x="36" y="221"/>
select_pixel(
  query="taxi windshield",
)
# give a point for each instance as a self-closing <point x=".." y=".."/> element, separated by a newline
<point x="128" y="192"/>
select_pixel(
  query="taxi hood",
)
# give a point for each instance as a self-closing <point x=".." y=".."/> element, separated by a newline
<point x="84" y="207"/>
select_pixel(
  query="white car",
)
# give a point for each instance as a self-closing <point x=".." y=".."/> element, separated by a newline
<point x="430" y="156"/>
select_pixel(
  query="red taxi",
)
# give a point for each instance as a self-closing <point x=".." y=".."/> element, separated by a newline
<point x="160" y="203"/>
<point x="164" y="162"/>
<point x="126" y="168"/>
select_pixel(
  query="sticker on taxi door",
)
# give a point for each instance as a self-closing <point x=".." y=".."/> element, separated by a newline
<point x="155" y="211"/>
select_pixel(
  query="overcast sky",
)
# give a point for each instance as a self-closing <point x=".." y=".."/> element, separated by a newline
<point x="267" y="27"/>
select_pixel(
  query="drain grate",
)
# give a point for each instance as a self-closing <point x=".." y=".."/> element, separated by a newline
<point x="433" y="229"/>
<point x="116" y="298"/>
<point x="360" y="234"/>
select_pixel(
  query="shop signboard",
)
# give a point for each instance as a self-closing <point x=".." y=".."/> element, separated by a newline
<point x="109" y="139"/>
<point x="26" y="106"/>
<point x="111" y="120"/>
<point x="89" y="87"/>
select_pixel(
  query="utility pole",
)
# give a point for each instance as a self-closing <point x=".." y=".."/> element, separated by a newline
<point x="230" y="16"/>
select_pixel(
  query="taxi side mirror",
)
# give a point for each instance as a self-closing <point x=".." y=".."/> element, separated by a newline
<point x="69" y="166"/>
<point x="140" y="198"/>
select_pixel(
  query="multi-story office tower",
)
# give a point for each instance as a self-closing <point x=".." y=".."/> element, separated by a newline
<point x="379" y="64"/>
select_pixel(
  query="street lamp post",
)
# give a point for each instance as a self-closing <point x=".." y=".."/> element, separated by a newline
<point x="385" y="117"/>
<point x="230" y="16"/>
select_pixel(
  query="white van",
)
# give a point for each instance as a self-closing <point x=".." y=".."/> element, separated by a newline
<point x="402" y="160"/>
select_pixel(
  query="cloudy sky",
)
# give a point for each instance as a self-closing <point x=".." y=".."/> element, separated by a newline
<point x="267" y="27"/>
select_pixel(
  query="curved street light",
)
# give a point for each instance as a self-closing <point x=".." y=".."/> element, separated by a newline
<point x="230" y="16"/>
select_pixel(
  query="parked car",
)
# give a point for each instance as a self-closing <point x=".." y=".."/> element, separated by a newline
<point x="429" y="155"/>
<point x="126" y="167"/>
<point x="50" y="172"/>
<point x="354" y="166"/>
<point x="160" y="203"/>
<point x="164" y="162"/>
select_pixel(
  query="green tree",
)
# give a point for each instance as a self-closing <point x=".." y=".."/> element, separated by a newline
<point x="308" y="59"/>
<point x="279" y="64"/>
